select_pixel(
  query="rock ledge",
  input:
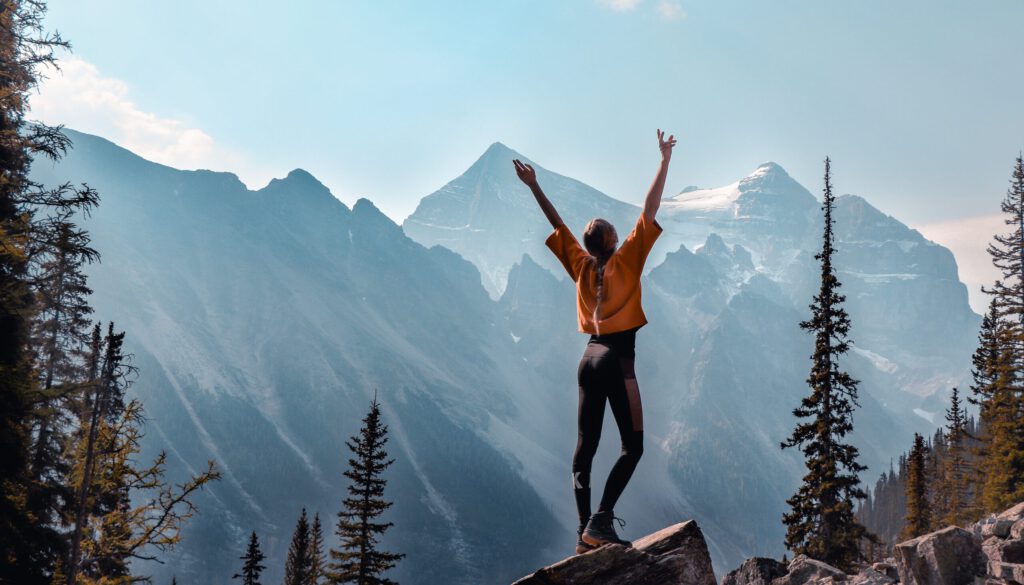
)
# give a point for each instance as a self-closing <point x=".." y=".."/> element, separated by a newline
<point x="677" y="555"/>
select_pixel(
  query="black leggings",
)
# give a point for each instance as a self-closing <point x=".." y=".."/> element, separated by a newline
<point x="606" y="373"/>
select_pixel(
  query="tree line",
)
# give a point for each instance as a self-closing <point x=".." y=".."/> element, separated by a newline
<point x="933" y="485"/>
<point x="970" y="468"/>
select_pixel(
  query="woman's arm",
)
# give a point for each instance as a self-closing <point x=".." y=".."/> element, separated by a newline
<point x="528" y="176"/>
<point x="653" y="201"/>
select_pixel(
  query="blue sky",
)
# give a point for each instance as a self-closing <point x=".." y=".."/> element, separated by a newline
<point x="919" y="104"/>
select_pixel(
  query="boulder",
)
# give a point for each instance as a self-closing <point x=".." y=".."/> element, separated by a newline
<point x="804" y="570"/>
<point x="1017" y="530"/>
<point x="998" y="527"/>
<point x="677" y="555"/>
<point x="1012" y="514"/>
<point x="869" y="576"/>
<point x="888" y="569"/>
<point x="755" y="571"/>
<point x="1008" y="572"/>
<point x="951" y="556"/>
<point x="1004" y="551"/>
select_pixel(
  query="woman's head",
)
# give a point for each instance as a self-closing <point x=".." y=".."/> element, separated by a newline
<point x="599" y="238"/>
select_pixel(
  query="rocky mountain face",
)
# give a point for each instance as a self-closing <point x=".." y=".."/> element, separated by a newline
<point x="263" y="321"/>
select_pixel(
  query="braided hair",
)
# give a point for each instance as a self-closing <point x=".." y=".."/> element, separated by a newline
<point x="599" y="238"/>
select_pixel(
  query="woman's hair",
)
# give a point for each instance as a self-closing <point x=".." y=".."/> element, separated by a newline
<point x="599" y="238"/>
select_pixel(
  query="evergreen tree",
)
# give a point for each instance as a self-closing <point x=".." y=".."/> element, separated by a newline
<point x="298" y="568"/>
<point x="986" y="362"/>
<point x="918" y="507"/>
<point x="937" y="489"/>
<point x="1007" y="253"/>
<point x="1002" y="401"/>
<point x="30" y="215"/>
<point x="821" y="521"/>
<point x="58" y="342"/>
<point x="955" y="467"/>
<point x="319" y="567"/>
<point x="252" y="567"/>
<point x="60" y="334"/>
<point x="358" y="561"/>
<point x="121" y="510"/>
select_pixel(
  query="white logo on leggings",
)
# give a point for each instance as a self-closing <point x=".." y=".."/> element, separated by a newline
<point x="576" y="480"/>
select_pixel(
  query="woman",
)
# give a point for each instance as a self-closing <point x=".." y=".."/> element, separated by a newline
<point x="608" y="308"/>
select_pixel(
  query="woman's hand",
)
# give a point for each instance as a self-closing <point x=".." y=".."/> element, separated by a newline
<point x="525" y="172"/>
<point x="666" y="145"/>
<point x="528" y="176"/>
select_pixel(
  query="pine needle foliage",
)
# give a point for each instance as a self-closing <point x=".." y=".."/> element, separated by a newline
<point x="821" y="521"/>
<point x="359" y="526"/>
<point x="919" y="518"/>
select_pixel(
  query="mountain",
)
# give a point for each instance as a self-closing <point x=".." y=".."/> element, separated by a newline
<point x="722" y="362"/>
<point x="488" y="200"/>
<point x="263" y="321"/>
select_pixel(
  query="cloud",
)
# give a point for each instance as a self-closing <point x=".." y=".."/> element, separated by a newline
<point x="80" y="97"/>
<point x="621" y="5"/>
<point x="670" y="10"/>
<point x="968" y="238"/>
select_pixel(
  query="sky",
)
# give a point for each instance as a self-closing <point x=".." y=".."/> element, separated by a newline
<point x="918" y="103"/>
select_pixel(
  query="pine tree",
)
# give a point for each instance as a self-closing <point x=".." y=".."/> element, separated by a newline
<point x="937" y="490"/>
<point x="60" y="334"/>
<point x="104" y="404"/>
<point x="986" y="363"/>
<point x="1002" y="398"/>
<point x="821" y="521"/>
<point x="252" y="567"/>
<point x="359" y="561"/>
<point x="319" y="567"/>
<point x="121" y="510"/>
<point x="918" y="507"/>
<point x="58" y="342"/>
<point x="298" y="568"/>
<point x="955" y="466"/>
<point x="30" y="214"/>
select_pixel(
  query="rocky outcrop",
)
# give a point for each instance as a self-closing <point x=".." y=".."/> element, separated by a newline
<point x="871" y="576"/>
<point x="988" y="552"/>
<point x="1002" y="544"/>
<point x="677" y="555"/>
<point x="950" y="556"/>
<point x="803" y="569"/>
<point x="755" y="571"/>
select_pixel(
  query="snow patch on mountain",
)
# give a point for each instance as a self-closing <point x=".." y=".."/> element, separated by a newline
<point x="876" y="360"/>
<point x="717" y="199"/>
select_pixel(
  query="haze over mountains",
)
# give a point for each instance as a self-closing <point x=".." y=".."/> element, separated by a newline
<point x="263" y="321"/>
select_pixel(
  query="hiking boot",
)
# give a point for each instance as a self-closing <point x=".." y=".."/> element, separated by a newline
<point x="581" y="545"/>
<point x="600" y="530"/>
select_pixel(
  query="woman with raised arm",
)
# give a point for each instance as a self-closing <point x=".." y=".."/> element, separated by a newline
<point x="608" y="308"/>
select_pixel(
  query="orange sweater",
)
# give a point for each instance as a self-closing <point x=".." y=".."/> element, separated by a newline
<point x="620" y="307"/>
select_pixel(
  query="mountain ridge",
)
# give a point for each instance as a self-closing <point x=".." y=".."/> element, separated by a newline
<point x="263" y="323"/>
